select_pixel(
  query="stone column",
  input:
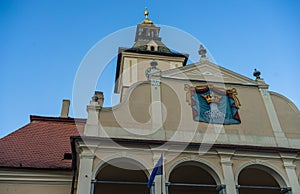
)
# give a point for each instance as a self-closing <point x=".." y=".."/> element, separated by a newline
<point x="85" y="173"/>
<point x="226" y="162"/>
<point x="290" y="168"/>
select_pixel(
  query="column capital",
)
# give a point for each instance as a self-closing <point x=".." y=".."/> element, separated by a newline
<point x="288" y="156"/>
<point x="87" y="156"/>
<point x="225" y="152"/>
<point x="262" y="85"/>
<point x="157" y="153"/>
<point x="288" y="160"/>
<point x="289" y="164"/>
<point x="226" y="162"/>
<point x="225" y="156"/>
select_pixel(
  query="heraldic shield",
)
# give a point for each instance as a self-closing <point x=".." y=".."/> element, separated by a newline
<point x="214" y="105"/>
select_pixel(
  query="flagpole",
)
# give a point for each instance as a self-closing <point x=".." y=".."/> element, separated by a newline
<point x="157" y="170"/>
<point x="161" y="181"/>
<point x="162" y="174"/>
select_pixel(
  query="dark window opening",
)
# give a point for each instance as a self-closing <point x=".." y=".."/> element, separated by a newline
<point x="67" y="156"/>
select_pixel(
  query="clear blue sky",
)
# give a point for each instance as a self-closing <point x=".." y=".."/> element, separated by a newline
<point x="43" y="43"/>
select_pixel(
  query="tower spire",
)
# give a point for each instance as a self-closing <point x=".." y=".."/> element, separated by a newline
<point x="146" y="13"/>
<point x="146" y="21"/>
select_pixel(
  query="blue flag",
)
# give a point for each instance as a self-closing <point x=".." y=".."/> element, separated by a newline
<point x="158" y="170"/>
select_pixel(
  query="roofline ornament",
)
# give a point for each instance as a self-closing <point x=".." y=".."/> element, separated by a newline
<point x="202" y="51"/>
<point x="256" y="74"/>
<point x="146" y="21"/>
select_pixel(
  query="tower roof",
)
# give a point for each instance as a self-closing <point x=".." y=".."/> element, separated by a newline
<point x="146" y="21"/>
<point x="147" y="37"/>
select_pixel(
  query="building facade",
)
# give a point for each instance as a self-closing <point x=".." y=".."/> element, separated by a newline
<point x="218" y="132"/>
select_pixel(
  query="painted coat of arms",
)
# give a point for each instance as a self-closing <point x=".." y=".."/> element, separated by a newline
<point x="214" y="105"/>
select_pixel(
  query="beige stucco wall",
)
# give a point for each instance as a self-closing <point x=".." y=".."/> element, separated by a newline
<point x="34" y="189"/>
<point x="134" y="65"/>
<point x="252" y="109"/>
<point x="14" y="181"/>
<point x="255" y="138"/>
<point x="288" y="115"/>
<point x="134" y="112"/>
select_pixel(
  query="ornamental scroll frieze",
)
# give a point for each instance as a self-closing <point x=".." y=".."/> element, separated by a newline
<point x="211" y="104"/>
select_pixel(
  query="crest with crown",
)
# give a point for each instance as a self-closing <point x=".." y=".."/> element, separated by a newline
<point x="211" y="98"/>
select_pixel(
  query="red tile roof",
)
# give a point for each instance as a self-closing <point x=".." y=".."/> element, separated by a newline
<point x="40" y="144"/>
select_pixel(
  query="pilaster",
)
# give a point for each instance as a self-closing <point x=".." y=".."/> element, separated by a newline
<point x="278" y="132"/>
<point x="160" y="181"/>
<point x="226" y="163"/>
<point x="154" y="74"/>
<point x="85" y="173"/>
<point x="156" y="110"/>
<point x="290" y="168"/>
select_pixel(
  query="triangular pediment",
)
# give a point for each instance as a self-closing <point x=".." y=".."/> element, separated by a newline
<point x="208" y="72"/>
<point x="152" y="42"/>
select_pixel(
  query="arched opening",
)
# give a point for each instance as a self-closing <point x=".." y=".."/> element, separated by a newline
<point x="122" y="175"/>
<point x="259" y="180"/>
<point x="192" y="178"/>
<point x="152" y="48"/>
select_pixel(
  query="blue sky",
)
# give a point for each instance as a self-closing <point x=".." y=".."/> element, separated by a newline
<point x="44" y="42"/>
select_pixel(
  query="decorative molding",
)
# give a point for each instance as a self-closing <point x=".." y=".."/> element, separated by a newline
<point x="206" y="73"/>
<point x="208" y="70"/>
<point x="268" y="167"/>
<point x="155" y="82"/>
<point x="288" y="160"/>
<point x="232" y="91"/>
<point x="206" y="165"/>
<point x="143" y="164"/>
<point x="26" y="177"/>
<point x="225" y="156"/>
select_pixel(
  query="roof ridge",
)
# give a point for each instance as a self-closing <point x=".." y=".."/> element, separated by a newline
<point x="57" y="119"/>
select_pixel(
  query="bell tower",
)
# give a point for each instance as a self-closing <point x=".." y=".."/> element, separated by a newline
<point x="147" y="35"/>
<point x="148" y="46"/>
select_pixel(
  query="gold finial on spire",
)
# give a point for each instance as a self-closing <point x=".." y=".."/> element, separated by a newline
<point x="146" y="13"/>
